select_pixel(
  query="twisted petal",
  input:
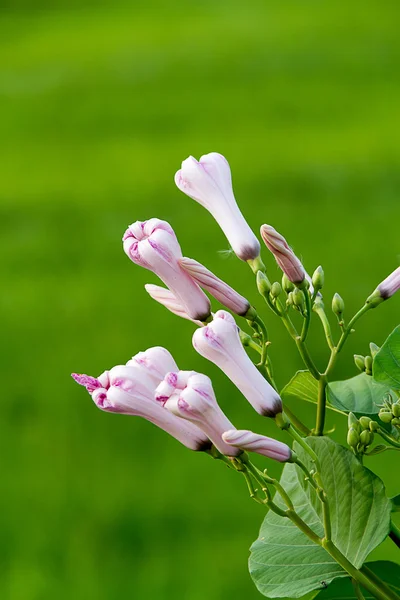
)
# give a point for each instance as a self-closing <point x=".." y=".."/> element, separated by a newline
<point x="217" y="288"/>
<point x="253" y="442"/>
<point x="284" y="255"/>
<point x="165" y="297"/>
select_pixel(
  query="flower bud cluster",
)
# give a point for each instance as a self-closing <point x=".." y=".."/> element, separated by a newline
<point x="361" y="433"/>
<point x="390" y="412"/>
<point x="363" y="363"/>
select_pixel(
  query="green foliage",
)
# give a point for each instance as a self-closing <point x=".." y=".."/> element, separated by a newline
<point x="284" y="562"/>
<point x="396" y="503"/>
<point x="342" y="589"/>
<point x="386" y="367"/>
<point x="360" y="394"/>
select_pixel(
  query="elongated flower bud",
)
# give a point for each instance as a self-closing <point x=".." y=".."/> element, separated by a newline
<point x="284" y="255"/>
<point x="190" y="395"/>
<point x="220" y="343"/>
<point x="215" y="286"/>
<point x="253" y="442"/>
<point x="389" y="286"/>
<point x="165" y="297"/>
<point x="129" y="390"/>
<point x="153" y="245"/>
<point x="209" y="182"/>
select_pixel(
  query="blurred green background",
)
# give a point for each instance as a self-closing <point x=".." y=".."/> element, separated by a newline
<point x="99" y="103"/>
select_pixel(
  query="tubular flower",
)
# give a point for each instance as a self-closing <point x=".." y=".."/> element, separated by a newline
<point x="253" y="442"/>
<point x="190" y="396"/>
<point x="153" y="245"/>
<point x="390" y="285"/>
<point x="215" y="286"/>
<point x="284" y="255"/>
<point x="209" y="182"/>
<point x="220" y="343"/>
<point x="129" y="390"/>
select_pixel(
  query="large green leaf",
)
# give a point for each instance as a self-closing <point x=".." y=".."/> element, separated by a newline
<point x="342" y="589"/>
<point x="283" y="561"/>
<point x="386" y="366"/>
<point x="360" y="394"/>
<point x="302" y="386"/>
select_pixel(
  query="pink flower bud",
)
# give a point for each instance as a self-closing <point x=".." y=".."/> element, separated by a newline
<point x="165" y="297"/>
<point x="217" y="288"/>
<point x="390" y="285"/>
<point x="220" y="343"/>
<point x="190" y="395"/>
<point x="208" y="181"/>
<point x="130" y="391"/>
<point x="253" y="442"/>
<point x="153" y="245"/>
<point x="284" y="255"/>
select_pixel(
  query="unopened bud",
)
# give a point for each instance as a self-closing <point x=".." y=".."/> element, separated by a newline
<point x="276" y="289"/>
<point x="368" y="365"/>
<point x="396" y="409"/>
<point x="395" y="421"/>
<point x="352" y="421"/>
<point x="290" y="299"/>
<point x="373" y="426"/>
<point x="263" y="283"/>
<point x="298" y="298"/>
<point x="385" y="416"/>
<point x="360" y="362"/>
<point x="337" y="305"/>
<point x="364" y="422"/>
<point x="353" y="438"/>
<point x="366" y="437"/>
<point x="374" y="349"/>
<point x="287" y="285"/>
<point x="318" y="279"/>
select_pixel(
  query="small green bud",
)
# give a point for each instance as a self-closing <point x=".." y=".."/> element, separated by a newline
<point x="396" y="409"/>
<point x="287" y="285"/>
<point x="263" y="283"/>
<point x="290" y="299"/>
<point x="360" y="362"/>
<point x="298" y="298"/>
<point x="374" y="349"/>
<point x="318" y="279"/>
<point x="364" y="422"/>
<point x="337" y="305"/>
<point x="368" y="365"/>
<point x="352" y="421"/>
<point x="276" y="289"/>
<point x="365" y="437"/>
<point x="353" y="438"/>
<point x="373" y="426"/>
<point x="395" y="421"/>
<point x="385" y="416"/>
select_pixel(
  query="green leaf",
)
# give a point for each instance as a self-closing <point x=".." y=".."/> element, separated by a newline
<point x="396" y="503"/>
<point x="284" y="562"/>
<point x="360" y="394"/>
<point x="302" y="386"/>
<point x="342" y="589"/>
<point x="386" y="365"/>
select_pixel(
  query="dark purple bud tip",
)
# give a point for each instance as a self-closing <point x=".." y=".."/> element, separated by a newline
<point x="90" y="383"/>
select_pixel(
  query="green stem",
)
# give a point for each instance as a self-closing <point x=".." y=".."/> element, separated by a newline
<point x="363" y="576"/>
<point x="394" y="534"/>
<point x="357" y="590"/>
<point x="321" y="406"/>
<point x="301" y="346"/>
<point x="388" y="438"/>
<point x="349" y="327"/>
<point x="319" y="309"/>
<point x="296" y="422"/>
<point x="307" y="319"/>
